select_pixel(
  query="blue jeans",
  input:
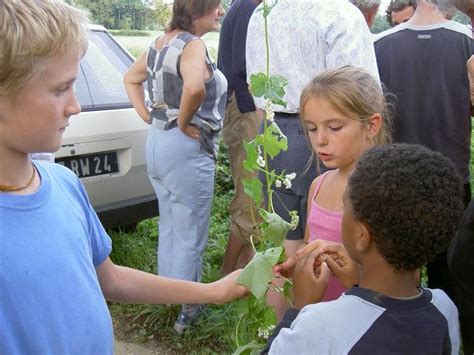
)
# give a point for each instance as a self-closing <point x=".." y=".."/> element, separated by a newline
<point x="182" y="176"/>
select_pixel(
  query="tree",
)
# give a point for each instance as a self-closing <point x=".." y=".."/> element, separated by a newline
<point x="226" y="4"/>
<point x="380" y="24"/>
<point x="162" y="14"/>
<point x="126" y="14"/>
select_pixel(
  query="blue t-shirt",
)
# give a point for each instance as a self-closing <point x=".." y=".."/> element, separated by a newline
<point x="50" y="244"/>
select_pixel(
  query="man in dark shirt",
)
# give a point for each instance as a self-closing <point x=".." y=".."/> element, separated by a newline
<point x="423" y="63"/>
<point x="241" y="122"/>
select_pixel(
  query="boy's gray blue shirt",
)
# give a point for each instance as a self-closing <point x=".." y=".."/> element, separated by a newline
<point x="363" y="322"/>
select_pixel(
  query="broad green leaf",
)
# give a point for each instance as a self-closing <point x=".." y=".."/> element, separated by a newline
<point x="269" y="320"/>
<point x="259" y="84"/>
<point x="253" y="187"/>
<point x="272" y="87"/>
<point x="258" y="307"/>
<point x="250" y="348"/>
<point x="276" y="89"/>
<point x="286" y="289"/>
<point x="242" y="307"/>
<point x="250" y="163"/>
<point x="276" y="228"/>
<point x="274" y="140"/>
<point x="258" y="273"/>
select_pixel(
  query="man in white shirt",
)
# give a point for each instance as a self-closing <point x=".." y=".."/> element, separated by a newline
<point x="306" y="37"/>
<point x="368" y="8"/>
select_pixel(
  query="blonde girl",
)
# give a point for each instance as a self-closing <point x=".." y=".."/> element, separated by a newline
<point x="343" y="113"/>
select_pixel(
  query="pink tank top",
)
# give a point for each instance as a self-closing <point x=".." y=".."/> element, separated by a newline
<point x="326" y="225"/>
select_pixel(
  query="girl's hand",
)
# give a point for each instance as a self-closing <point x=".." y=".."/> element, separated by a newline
<point x="336" y="258"/>
<point x="287" y="267"/>
<point x="309" y="287"/>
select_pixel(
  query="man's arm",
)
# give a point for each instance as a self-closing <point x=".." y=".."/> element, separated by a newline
<point x="239" y="36"/>
<point x="123" y="284"/>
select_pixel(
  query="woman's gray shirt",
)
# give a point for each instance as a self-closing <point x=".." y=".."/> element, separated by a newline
<point x="165" y="88"/>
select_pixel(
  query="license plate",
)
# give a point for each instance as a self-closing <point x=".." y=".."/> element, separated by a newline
<point x="91" y="165"/>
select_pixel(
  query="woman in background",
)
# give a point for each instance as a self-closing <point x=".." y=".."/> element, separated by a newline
<point x="187" y="100"/>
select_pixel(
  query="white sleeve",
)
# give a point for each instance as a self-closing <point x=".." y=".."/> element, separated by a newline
<point x="330" y="328"/>
<point x="350" y="43"/>
<point x="255" y="50"/>
<point x="302" y="337"/>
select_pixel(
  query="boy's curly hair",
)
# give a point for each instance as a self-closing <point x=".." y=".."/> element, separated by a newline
<point x="410" y="199"/>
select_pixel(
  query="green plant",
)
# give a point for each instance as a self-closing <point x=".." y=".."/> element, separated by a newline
<point x="255" y="316"/>
<point x="129" y="33"/>
<point x="224" y="182"/>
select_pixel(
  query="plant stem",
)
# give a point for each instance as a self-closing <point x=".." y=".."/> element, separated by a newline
<point x="278" y="289"/>
<point x="265" y="123"/>
<point x="237" y="331"/>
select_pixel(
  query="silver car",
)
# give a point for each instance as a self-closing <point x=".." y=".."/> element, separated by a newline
<point x="105" y="144"/>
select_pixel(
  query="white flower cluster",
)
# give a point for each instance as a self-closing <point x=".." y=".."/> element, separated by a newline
<point x="295" y="219"/>
<point x="286" y="180"/>
<point x="269" y="113"/>
<point x="265" y="333"/>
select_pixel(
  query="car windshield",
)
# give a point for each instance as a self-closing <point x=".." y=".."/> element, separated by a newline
<point x="103" y="68"/>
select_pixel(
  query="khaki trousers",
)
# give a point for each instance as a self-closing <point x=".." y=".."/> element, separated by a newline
<point x="237" y="128"/>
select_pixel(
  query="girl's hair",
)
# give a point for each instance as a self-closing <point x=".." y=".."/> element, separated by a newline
<point x="354" y="93"/>
<point x="185" y="11"/>
<point x="31" y="32"/>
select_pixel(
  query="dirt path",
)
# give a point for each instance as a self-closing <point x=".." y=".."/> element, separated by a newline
<point x="125" y="342"/>
<point x="126" y="348"/>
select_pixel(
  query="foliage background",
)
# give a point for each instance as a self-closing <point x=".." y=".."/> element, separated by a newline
<point x="127" y="14"/>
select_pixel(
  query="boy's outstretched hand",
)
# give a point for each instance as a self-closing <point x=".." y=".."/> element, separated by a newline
<point x="336" y="258"/>
<point x="309" y="286"/>
<point x="227" y="289"/>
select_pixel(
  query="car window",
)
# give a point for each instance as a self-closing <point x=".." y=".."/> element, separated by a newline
<point x="82" y="91"/>
<point x="104" y="66"/>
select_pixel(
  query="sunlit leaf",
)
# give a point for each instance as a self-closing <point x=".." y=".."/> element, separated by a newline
<point x="253" y="187"/>
<point x="258" y="273"/>
<point x="259" y="84"/>
<point x="274" y="140"/>
<point x="250" y="163"/>
<point x="272" y="87"/>
<point x="250" y="348"/>
<point x="276" y="227"/>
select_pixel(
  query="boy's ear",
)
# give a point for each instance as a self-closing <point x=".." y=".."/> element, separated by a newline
<point x="374" y="124"/>
<point x="2" y="107"/>
<point x="364" y="238"/>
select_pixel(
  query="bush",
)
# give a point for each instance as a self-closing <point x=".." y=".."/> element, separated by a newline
<point x="130" y="33"/>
